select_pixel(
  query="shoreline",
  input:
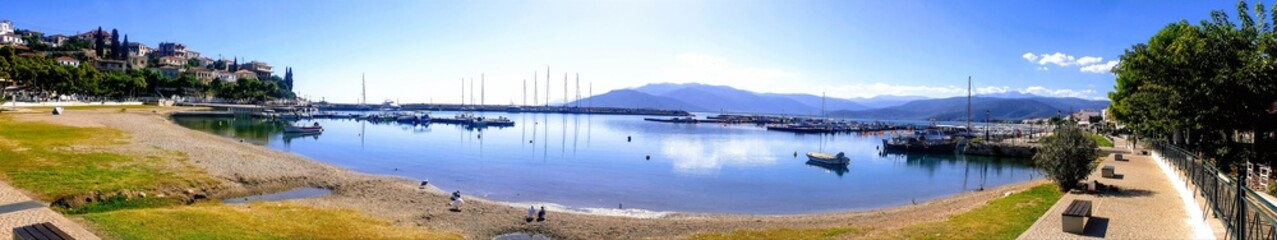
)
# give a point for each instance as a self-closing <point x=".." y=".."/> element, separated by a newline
<point x="251" y="169"/>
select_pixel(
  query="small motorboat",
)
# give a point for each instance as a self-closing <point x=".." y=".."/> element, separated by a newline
<point x="826" y="158"/>
<point x="304" y="129"/>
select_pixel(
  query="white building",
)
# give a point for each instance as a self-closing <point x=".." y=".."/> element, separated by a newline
<point x="11" y="39"/>
<point x="6" y="26"/>
<point x="70" y="61"/>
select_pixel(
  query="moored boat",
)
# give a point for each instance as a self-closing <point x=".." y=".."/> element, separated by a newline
<point x="304" y="129"/>
<point x="820" y="157"/>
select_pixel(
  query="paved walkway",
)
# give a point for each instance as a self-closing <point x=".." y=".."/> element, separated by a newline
<point x="17" y="210"/>
<point x="1148" y="206"/>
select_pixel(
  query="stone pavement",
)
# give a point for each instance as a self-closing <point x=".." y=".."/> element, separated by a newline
<point x="17" y="210"/>
<point x="1147" y="207"/>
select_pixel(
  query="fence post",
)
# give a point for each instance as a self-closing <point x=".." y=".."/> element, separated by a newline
<point x="1241" y="206"/>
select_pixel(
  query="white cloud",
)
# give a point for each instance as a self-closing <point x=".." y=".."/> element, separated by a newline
<point x="880" y="89"/>
<point x="1029" y="56"/>
<point x="1061" y="59"/>
<point x="1100" y="68"/>
<point x="1042" y="68"/>
<point x="1088" y="60"/>
<point x="1043" y="91"/>
<point x="1057" y="58"/>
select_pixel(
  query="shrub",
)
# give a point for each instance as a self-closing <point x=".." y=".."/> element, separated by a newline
<point x="1067" y="156"/>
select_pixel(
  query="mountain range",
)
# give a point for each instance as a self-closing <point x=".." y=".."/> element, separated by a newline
<point x="694" y="97"/>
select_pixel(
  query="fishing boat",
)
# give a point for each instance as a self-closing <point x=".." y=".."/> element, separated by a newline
<point x="820" y="157"/>
<point x="931" y="140"/>
<point x="688" y="119"/>
<point x="304" y="129"/>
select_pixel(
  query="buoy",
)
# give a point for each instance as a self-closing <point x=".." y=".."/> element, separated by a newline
<point x="795" y="153"/>
<point x="649" y="157"/>
<point x="628" y="139"/>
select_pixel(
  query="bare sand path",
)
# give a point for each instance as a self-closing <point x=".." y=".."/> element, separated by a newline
<point x="248" y="168"/>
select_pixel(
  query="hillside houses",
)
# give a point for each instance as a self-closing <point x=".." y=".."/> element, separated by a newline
<point x="105" y="51"/>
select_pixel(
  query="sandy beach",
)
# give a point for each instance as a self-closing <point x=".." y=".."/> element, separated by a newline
<point x="247" y="169"/>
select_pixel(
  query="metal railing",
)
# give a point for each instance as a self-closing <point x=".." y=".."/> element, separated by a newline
<point x="1249" y="218"/>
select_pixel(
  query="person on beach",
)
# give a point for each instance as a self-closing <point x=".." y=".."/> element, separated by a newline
<point x="532" y="212"/>
<point x="457" y="202"/>
<point x="541" y="215"/>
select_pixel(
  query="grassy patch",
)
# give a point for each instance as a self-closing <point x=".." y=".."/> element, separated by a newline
<point x="121" y="203"/>
<point x="1004" y="218"/>
<point x="778" y="233"/>
<point x="1100" y="140"/>
<point x="56" y="161"/>
<point x="260" y="220"/>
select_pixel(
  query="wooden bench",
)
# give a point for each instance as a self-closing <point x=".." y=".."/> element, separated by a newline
<point x="40" y="231"/>
<point x="1074" y="217"/>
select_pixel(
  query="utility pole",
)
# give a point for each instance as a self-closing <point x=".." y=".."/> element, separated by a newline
<point x="969" y="104"/>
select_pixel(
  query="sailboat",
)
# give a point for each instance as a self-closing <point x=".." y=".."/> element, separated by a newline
<point x="826" y="158"/>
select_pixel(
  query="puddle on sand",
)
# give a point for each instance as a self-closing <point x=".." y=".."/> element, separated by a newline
<point x="521" y="236"/>
<point x="280" y="196"/>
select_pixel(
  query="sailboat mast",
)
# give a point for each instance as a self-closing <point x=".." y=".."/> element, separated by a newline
<point x="822" y="105"/>
<point x="547" y="86"/>
<point x="525" y="92"/>
<point x="565" y="89"/>
<point x="968" y="104"/>
<point x="578" y="89"/>
<point x="535" y="95"/>
<point x="483" y="94"/>
<point x="363" y="88"/>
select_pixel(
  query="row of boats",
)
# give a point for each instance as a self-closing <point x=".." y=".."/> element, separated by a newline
<point x="414" y="117"/>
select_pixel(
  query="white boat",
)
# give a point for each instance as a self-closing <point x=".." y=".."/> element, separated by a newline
<point x="826" y="158"/>
<point x="303" y="129"/>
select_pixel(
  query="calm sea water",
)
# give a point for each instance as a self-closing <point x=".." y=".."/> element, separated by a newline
<point x="600" y="161"/>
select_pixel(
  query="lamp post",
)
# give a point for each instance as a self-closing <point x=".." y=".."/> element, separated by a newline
<point x="987" y="120"/>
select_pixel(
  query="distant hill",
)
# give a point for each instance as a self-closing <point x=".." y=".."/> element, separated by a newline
<point x="712" y="98"/>
<point x="886" y="101"/>
<point x="955" y="108"/>
<point x="628" y="98"/>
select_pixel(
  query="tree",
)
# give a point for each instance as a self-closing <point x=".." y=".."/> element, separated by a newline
<point x="115" y="44"/>
<point x="1067" y="156"/>
<point x="1209" y="82"/>
<point x="99" y="43"/>
<point x="124" y="48"/>
<point x="288" y="78"/>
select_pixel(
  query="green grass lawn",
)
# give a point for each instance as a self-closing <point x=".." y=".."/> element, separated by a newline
<point x="259" y="220"/>
<point x="778" y="233"/>
<point x="56" y="162"/>
<point x="1100" y="140"/>
<point x="1003" y="218"/>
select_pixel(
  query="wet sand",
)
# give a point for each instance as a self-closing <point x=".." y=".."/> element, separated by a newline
<point x="249" y="169"/>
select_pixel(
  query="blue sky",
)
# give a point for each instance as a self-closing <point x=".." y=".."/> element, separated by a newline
<point x="420" y="51"/>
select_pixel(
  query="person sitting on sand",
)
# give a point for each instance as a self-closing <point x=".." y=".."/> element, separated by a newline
<point x="541" y="215"/>
<point x="457" y="202"/>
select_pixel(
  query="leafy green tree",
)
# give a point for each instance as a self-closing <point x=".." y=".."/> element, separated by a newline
<point x="1067" y="156"/>
<point x="1208" y="82"/>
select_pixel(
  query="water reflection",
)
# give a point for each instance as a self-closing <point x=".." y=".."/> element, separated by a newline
<point x="703" y="168"/>
<point x="691" y="155"/>
<point x="838" y="169"/>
